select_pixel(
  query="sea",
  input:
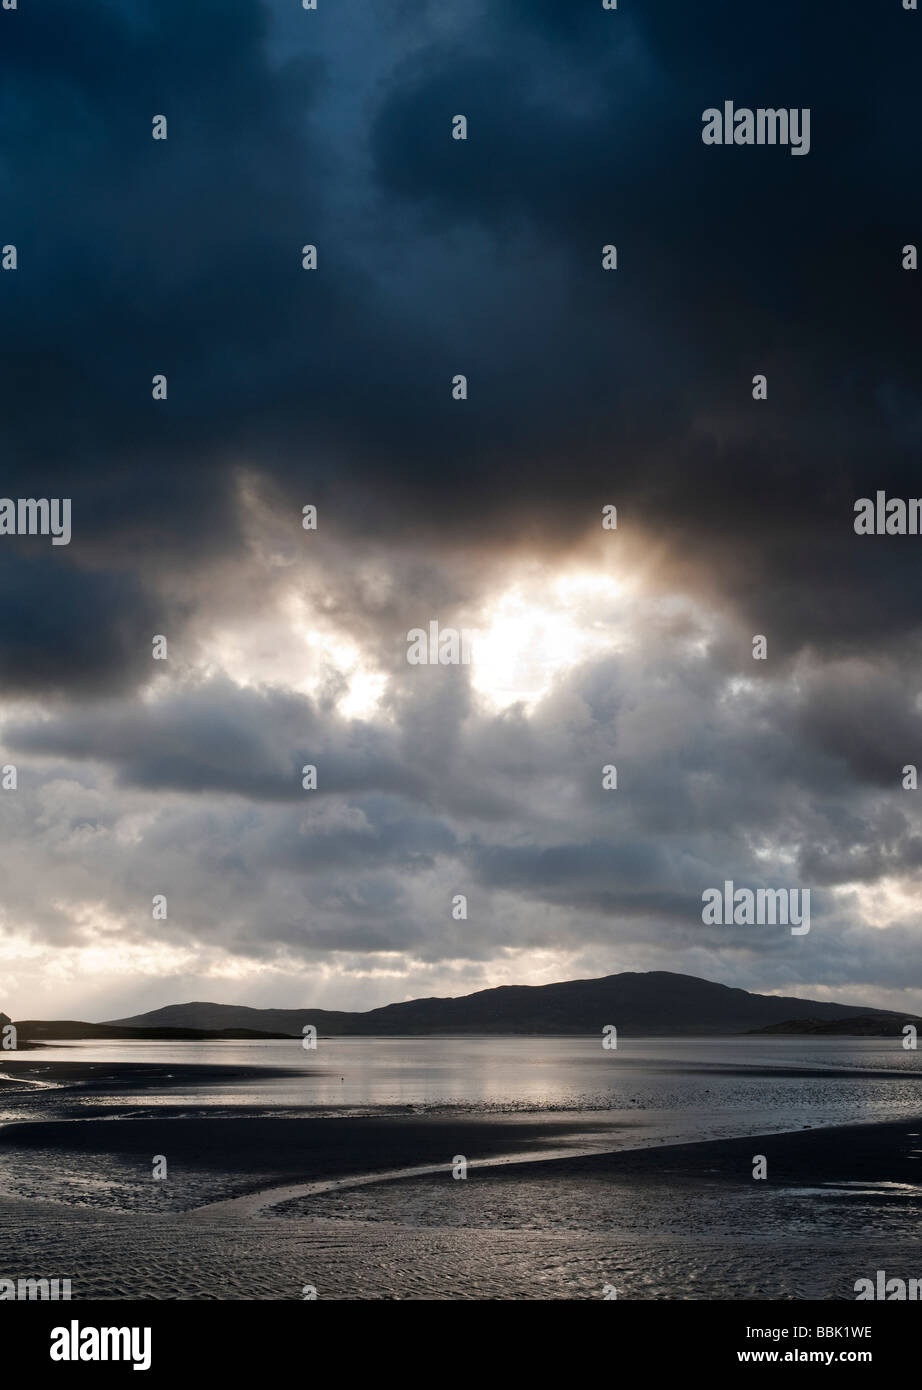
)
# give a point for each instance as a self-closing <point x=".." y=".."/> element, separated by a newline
<point x="694" y="1088"/>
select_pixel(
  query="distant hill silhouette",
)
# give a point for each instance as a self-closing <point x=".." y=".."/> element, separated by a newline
<point x="38" y="1030"/>
<point x="658" y="1003"/>
<point x="862" y="1026"/>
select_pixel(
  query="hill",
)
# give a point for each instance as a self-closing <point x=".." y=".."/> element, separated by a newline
<point x="37" y="1030"/>
<point x="658" y="1003"/>
<point x="861" y="1026"/>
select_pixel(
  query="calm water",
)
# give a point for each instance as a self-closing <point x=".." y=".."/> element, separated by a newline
<point x="693" y="1086"/>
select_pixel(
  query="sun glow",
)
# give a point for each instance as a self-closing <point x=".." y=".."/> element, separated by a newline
<point x="534" y="632"/>
<point x="535" y="626"/>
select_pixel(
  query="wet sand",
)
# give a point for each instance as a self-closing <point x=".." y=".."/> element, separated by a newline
<point x="259" y="1205"/>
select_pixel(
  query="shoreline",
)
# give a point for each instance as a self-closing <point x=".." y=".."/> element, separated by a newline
<point x="261" y="1199"/>
<point x="105" y="1121"/>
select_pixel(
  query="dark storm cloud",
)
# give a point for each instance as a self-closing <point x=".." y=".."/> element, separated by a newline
<point x="219" y="738"/>
<point x="183" y="257"/>
<point x="867" y="717"/>
<point x="70" y="632"/>
<point x="732" y="261"/>
<point x="180" y="256"/>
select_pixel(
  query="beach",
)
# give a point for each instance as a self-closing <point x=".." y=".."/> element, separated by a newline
<point x="263" y="1203"/>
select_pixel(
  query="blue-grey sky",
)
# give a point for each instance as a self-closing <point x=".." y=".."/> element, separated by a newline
<point x="333" y="387"/>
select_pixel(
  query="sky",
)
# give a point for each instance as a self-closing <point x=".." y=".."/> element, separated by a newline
<point x="332" y="387"/>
